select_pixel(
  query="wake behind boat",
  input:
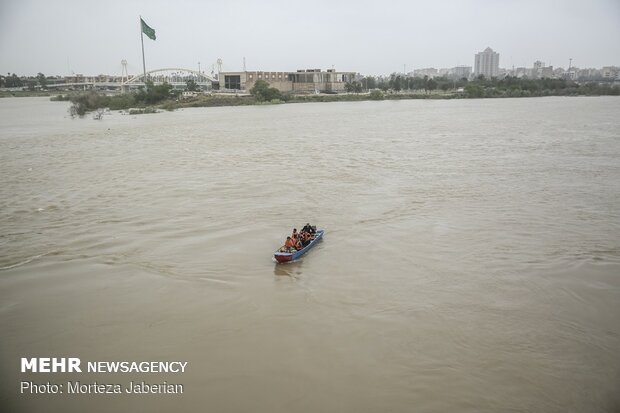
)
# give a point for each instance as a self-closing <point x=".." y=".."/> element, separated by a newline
<point x="295" y="247"/>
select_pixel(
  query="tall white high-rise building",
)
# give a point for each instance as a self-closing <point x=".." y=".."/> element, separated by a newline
<point x="486" y="63"/>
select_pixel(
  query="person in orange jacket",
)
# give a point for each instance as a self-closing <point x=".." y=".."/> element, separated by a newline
<point x="290" y="244"/>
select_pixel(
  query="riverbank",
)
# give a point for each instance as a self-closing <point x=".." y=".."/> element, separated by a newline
<point x="27" y="93"/>
<point x="83" y="103"/>
<point x="232" y="100"/>
<point x="219" y="100"/>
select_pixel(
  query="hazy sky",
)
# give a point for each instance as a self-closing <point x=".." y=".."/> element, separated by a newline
<point x="92" y="37"/>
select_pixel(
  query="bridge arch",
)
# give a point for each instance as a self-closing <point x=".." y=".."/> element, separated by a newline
<point x="171" y="75"/>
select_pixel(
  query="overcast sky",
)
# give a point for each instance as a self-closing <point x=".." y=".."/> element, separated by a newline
<point x="380" y="37"/>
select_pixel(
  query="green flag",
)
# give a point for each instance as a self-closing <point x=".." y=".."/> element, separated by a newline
<point x="150" y="33"/>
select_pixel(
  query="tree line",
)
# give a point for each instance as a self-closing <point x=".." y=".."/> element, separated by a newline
<point x="512" y="86"/>
<point x="509" y="86"/>
<point x="11" y="80"/>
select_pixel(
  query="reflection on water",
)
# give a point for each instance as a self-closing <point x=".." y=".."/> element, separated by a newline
<point x="471" y="264"/>
<point x="293" y="269"/>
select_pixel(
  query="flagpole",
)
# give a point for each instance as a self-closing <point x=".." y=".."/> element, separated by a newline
<point x="143" y="61"/>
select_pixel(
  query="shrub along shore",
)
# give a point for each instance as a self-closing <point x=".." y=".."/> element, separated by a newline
<point x="163" y="97"/>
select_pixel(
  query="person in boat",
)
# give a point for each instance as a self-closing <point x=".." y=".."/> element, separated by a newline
<point x="296" y="238"/>
<point x="305" y="238"/>
<point x="307" y="228"/>
<point x="289" y="245"/>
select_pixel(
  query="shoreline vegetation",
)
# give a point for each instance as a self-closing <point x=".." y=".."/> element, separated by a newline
<point x="163" y="97"/>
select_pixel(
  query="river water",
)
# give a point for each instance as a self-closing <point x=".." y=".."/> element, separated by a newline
<point x="471" y="260"/>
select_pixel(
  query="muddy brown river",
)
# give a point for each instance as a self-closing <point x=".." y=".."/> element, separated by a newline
<point x="471" y="259"/>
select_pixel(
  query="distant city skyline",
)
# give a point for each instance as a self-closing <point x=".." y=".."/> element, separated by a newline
<point x="65" y="37"/>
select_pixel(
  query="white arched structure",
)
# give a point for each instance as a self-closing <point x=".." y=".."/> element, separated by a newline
<point x="175" y="76"/>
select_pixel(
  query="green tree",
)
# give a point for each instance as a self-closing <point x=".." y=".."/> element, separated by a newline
<point x="353" y="87"/>
<point x="444" y="86"/>
<point x="13" y="81"/>
<point x="417" y="83"/>
<point x="262" y="92"/>
<point x="42" y="80"/>
<point x="369" y="82"/>
<point x="192" y="86"/>
<point x="431" y="85"/>
<point x="425" y="84"/>
<point x="376" y="95"/>
<point x="474" y="90"/>
<point x="154" y="94"/>
<point x="396" y="82"/>
<point x="383" y="84"/>
<point x="81" y="104"/>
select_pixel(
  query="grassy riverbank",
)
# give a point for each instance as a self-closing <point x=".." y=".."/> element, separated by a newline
<point x="163" y="97"/>
<point x="91" y="101"/>
<point x="26" y="93"/>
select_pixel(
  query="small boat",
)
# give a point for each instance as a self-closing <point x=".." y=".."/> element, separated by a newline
<point x="292" y="256"/>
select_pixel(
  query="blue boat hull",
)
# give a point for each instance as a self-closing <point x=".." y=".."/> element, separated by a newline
<point x="292" y="256"/>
